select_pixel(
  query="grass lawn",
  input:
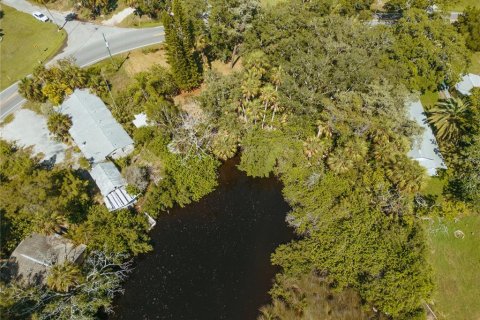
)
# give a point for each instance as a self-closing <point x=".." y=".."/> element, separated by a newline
<point x="475" y="67"/>
<point x="429" y="99"/>
<point x="26" y="41"/>
<point x="456" y="263"/>
<point x="434" y="187"/>
<point x="122" y="71"/>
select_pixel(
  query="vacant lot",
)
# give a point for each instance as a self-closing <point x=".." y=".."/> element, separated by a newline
<point x="26" y="42"/>
<point x="456" y="263"/>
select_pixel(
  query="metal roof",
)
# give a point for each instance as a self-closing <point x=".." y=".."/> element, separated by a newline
<point x="94" y="129"/>
<point x="425" y="149"/>
<point x="469" y="81"/>
<point x="107" y="177"/>
<point x="111" y="185"/>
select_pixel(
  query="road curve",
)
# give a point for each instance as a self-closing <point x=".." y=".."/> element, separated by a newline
<point x="86" y="44"/>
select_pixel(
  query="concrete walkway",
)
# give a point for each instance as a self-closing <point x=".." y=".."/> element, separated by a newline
<point x="30" y="129"/>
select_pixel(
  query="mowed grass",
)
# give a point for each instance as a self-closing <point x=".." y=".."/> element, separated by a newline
<point x="456" y="263"/>
<point x="26" y="41"/>
<point x="475" y="67"/>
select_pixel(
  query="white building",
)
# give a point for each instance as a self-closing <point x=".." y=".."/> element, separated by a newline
<point x="468" y="82"/>
<point x="99" y="135"/>
<point x="94" y="129"/>
<point x="425" y="149"/>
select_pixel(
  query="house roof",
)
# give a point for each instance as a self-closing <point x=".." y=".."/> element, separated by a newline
<point x="469" y="81"/>
<point x="111" y="185"/>
<point x="34" y="256"/>
<point x="94" y="129"/>
<point x="425" y="148"/>
<point x="107" y="177"/>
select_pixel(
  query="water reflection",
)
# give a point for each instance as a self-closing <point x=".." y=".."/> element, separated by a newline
<point x="211" y="259"/>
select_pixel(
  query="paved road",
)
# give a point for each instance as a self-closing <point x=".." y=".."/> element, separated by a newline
<point x="85" y="43"/>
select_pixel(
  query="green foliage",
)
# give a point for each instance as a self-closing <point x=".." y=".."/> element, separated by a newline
<point x="150" y="8"/>
<point x="185" y="180"/>
<point x="179" y="38"/>
<point x="120" y="232"/>
<point x="58" y="124"/>
<point x="228" y="21"/>
<point x="311" y="297"/>
<point x="36" y="199"/>
<point x="62" y="277"/>
<point x="469" y="25"/>
<point x="104" y="274"/>
<point x="383" y="258"/>
<point x="57" y="82"/>
<point x="260" y="151"/>
<point x="427" y="50"/>
<point x="448" y="117"/>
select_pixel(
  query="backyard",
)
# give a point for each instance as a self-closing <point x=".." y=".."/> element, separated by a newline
<point x="455" y="259"/>
<point x="26" y="43"/>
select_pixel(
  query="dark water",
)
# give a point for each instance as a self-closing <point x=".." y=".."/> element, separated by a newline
<point x="211" y="260"/>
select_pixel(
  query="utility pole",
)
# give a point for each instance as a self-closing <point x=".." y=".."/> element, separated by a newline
<point x="51" y="15"/>
<point x="108" y="48"/>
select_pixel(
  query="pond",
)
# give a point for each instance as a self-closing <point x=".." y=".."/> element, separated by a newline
<point x="211" y="259"/>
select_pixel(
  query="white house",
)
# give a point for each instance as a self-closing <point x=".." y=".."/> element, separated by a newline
<point x="94" y="130"/>
<point x="99" y="135"/>
<point x="425" y="149"/>
<point x="468" y="82"/>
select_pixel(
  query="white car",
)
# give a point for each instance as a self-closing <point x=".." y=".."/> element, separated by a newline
<point x="40" y="16"/>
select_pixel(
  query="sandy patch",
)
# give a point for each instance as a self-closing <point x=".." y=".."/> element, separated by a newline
<point x="118" y="17"/>
<point x="30" y="129"/>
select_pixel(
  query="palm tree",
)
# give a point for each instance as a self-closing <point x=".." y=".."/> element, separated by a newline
<point x="448" y="117"/>
<point x="48" y="222"/>
<point x="59" y="124"/>
<point x="62" y="277"/>
<point x="268" y="95"/>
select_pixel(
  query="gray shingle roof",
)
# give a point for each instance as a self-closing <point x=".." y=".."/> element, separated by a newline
<point x="425" y="150"/>
<point x="94" y="129"/>
<point x="34" y="256"/>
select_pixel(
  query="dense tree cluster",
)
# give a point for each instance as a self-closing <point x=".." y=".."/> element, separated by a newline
<point x="469" y="25"/>
<point x="34" y="198"/>
<point x="71" y="292"/>
<point x="320" y="103"/>
<point x="57" y="82"/>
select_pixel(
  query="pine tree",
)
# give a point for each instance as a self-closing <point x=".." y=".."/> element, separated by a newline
<point x="181" y="54"/>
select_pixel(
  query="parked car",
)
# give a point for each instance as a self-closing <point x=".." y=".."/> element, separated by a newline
<point x="40" y="16"/>
<point x="71" y="16"/>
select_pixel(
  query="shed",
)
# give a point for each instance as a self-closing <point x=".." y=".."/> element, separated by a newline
<point x="111" y="185"/>
<point x="94" y="129"/>
<point x="425" y="149"/>
<point x="31" y="261"/>
<point x="140" y="120"/>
